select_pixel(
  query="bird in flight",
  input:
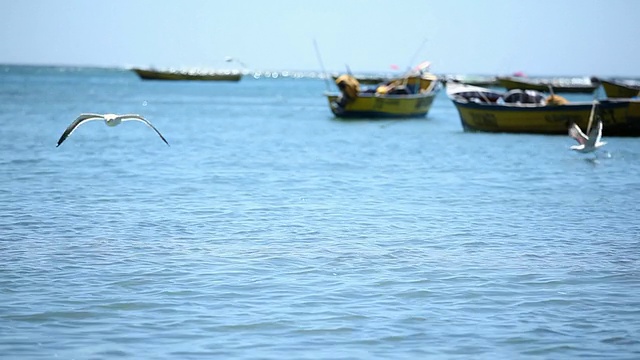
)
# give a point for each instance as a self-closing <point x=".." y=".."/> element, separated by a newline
<point x="587" y="144"/>
<point x="109" y="119"/>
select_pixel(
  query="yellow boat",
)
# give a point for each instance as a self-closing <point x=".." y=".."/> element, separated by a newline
<point x="619" y="89"/>
<point x="519" y="111"/>
<point x="511" y="83"/>
<point x="406" y="97"/>
<point x="150" y="74"/>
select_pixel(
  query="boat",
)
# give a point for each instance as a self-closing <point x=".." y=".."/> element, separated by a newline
<point x="152" y="74"/>
<point x="619" y="88"/>
<point x="405" y="97"/>
<point x="558" y="85"/>
<point x="529" y="111"/>
<point x="477" y="80"/>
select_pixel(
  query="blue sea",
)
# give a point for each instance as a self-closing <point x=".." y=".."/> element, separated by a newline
<point x="271" y="230"/>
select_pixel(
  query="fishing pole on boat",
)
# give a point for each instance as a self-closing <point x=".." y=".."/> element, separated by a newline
<point x="348" y="69"/>
<point x="593" y="111"/>
<point x="325" y="75"/>
<point x="415" y="55"/>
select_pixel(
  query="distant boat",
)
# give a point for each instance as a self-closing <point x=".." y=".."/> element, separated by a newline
<point x="513" y="82"/>
<point x="476" y="80"/>
<point x="618" y="88"/>
<point x="518" y="111"/>
<point x="151" y="74"/>
<point x="409" y="96"/>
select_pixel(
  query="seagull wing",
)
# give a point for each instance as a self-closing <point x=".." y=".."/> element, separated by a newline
<point x="576" y="133"/>
<point x="595" y="134"/>
<point x="77" y="122"/>
<point x="129" y="117"/>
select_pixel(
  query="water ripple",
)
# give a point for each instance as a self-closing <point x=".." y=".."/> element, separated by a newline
<point x="268" y="234"/>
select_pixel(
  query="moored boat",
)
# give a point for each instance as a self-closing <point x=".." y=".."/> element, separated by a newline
<point x="527" y="111"/>
<point x="618" y="88"/>
<point x="406" y="97"/>
<point x="558" y="85"/>
<point x="476" y="80"/>
<point x="151" y="74"/>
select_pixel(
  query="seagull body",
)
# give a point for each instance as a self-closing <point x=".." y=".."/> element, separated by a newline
<point x="109" y="119"/>
<point x="587" y="144"/>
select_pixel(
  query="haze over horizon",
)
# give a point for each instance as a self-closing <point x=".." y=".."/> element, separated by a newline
<point x="572" y="37"/>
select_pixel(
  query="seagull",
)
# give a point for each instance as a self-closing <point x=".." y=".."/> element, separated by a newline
<point x="586" y="143"/>
<point x="109" y="119"/>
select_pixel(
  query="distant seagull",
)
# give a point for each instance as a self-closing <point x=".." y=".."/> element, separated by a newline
<point x="586" y="143"/>
<point x="109" y="119"/>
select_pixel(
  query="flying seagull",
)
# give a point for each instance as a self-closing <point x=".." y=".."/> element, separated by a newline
<point x="109" y="119"/>
<point x="586" y="143"/>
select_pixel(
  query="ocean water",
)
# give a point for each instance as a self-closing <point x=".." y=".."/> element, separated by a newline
<point x="270" y="230"/>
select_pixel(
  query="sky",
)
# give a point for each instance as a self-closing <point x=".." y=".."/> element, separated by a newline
<point x="482" y="37"/>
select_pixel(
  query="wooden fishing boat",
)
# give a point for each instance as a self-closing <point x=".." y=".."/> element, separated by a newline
<point x="476" y="80"/>
<point x="519" y="111"/>
<point x="151" y="74"/>
<point x="558" y="85"/>
<point x="618" y="88"/>
<point x="406" y="97"/>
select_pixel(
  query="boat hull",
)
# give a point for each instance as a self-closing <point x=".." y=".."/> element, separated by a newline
<point x="384" y="106"/>
<point x="486" y="110"/>
<point x="620" y="118"/>
<point x="512" y="84"/>
<point x="181" y="75"/>
<point x="616" y="90"/>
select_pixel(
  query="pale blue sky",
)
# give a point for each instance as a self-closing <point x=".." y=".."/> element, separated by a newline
<point x="539" y="37"/>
